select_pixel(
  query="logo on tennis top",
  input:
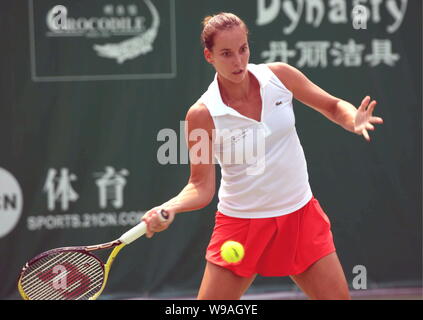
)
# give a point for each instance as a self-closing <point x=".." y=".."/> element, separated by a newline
<point x="11" y="202"/>
<point x="237" y="137"/>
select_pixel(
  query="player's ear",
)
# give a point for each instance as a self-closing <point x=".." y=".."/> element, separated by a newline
<point x="208" y="55"/>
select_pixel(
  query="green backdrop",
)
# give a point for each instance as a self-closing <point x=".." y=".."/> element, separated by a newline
<point x="79" y="131"/>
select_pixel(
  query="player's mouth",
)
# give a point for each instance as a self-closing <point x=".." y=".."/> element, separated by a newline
<point x="238" y="72"/>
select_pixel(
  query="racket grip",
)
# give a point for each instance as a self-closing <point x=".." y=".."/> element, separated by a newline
<point x="140" y="229"/>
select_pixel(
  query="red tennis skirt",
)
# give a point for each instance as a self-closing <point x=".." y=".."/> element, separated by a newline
<point x="277" y="246"/>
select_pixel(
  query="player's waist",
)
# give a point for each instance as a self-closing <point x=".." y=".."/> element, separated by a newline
<point x="251" y="206"/>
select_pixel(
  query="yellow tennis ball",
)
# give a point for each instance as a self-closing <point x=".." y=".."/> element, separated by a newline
<point x="232" y="251"/>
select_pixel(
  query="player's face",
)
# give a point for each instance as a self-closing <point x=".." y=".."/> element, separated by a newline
<point x="230" y="54"/>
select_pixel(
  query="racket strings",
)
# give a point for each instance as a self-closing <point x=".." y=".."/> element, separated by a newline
<point x="44" y="264"/>
<point x="42" y="268"/>
<point x="70" y="275"/>
<point x="65" y="285"/>
<point x="64" y="280"/>
<point x="37" y="286"/>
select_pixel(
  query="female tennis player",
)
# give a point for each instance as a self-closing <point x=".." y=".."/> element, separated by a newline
<point x="272" y="211"/>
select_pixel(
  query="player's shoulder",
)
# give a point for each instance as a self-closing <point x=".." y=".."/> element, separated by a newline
<point x="281" y="68"/>
<point x="199" y="115"/>
<point x="198" y="109"/>
<point x="286" y="73"/>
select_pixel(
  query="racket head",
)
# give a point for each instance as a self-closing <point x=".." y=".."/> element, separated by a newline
<point x="70" y="273"/>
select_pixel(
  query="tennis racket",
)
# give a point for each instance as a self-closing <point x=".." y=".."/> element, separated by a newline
<point x="73" y="273"/>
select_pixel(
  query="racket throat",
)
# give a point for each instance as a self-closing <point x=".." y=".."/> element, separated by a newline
<point x="103" y="245"/>
<point x="107" y="267"/>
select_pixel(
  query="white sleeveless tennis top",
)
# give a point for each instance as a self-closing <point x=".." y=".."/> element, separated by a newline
<point x="263" y="167"/>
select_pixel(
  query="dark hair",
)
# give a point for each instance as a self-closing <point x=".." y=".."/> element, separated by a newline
<point x="219" y="22"/>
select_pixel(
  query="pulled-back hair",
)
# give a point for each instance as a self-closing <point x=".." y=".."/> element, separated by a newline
<point x="219" y="22"/>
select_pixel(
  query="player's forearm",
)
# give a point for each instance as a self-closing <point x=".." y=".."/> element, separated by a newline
<point x="193" y="197"/>
<point x="344" y="115"/>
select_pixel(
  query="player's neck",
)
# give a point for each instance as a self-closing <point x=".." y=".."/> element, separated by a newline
<point x="231" y="91"/>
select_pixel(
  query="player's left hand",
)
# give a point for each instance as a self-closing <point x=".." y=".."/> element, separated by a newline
<point x="364" y="118"/>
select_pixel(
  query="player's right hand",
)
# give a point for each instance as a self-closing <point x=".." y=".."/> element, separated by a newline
<point x="154" y="222"/>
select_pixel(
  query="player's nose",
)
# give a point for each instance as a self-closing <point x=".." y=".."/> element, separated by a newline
<point x="237" y="61"/>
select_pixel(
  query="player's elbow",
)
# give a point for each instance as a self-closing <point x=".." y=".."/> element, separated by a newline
<point x="205" y="191"/>
<point x="209" y="198"/>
